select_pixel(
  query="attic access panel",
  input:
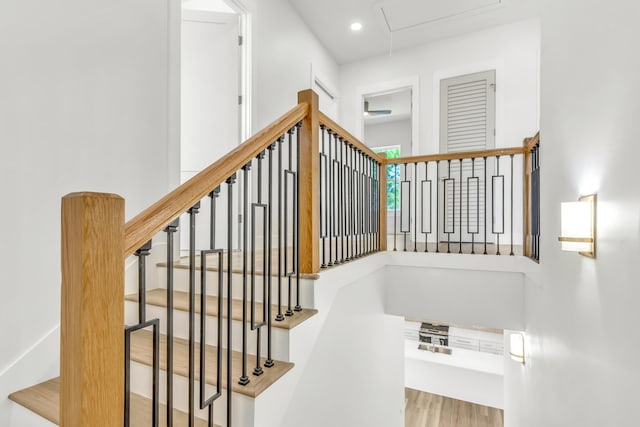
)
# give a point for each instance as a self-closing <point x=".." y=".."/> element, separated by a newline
<point x="405" y="14"/>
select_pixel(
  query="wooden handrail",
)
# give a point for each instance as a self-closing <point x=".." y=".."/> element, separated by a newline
<point x="141" y="228"/>
<point x="455" y="156"/>
<point x="350" y="139"/>
<point x="529" y="143"/>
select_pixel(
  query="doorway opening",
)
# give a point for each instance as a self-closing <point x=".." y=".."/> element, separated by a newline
<point x="214" y="85"/>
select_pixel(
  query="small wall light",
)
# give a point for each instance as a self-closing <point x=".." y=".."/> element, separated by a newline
<point x="517" y="347"/>
<point x="578" y="226"/>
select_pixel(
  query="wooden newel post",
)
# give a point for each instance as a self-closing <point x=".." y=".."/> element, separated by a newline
<point x="383" y="206"/>
<point x="309" y="186"/>
<point x="92" y="317"/>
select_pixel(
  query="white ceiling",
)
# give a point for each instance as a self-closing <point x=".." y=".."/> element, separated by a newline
<point x="390" y="25"/>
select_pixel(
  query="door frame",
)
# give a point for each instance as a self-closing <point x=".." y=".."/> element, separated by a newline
<point x="380" y="88"/>
<point x="245" y="69"/>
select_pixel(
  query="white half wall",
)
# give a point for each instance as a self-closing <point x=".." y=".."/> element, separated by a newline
<point x="512" y="50"/>
<point x="459" y="289"/>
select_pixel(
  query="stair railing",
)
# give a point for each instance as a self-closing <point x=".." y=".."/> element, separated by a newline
<point x="352" y="190"/>
<point x="272" y="177"/>
<point x="467" y="202"/>
<point x="310" y="195"/>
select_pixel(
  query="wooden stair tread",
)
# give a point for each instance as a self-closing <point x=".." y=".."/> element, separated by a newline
<point x="142" y="352"/>
<point x="44" y="400"/>
<point x="158" y="297"/>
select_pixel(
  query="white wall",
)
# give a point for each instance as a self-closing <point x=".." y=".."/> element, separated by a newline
<point x="391" y="133"/>
<point x="582" y="315"/>
<point x="284" y="50"/>
<point x="349" y="357"/>
<point x="83" y="108"/>
<point x="511" y="49"/>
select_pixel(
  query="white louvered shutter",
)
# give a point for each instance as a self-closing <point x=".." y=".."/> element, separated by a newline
<point x="467" y="123"/>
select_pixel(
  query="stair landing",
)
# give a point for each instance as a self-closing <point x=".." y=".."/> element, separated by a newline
<point x="44" y="400"/>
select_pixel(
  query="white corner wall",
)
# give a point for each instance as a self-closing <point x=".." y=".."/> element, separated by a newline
<point x="84" y="107"/>
<point x="510" y="49"/>
<point x="582" y="315"/>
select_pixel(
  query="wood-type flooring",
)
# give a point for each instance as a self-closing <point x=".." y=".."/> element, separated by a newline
<point x="430" y="410"/>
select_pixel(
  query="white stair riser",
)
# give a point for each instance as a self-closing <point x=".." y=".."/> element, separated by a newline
<point x="280" y="337"/>
<point x="242" y="407"/>
<point x="181" y="283"/>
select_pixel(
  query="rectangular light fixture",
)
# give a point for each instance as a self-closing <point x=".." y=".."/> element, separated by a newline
<point x="516" y="351"/>
<point x="578" y="226"/>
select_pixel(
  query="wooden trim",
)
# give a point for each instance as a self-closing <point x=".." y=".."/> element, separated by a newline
<point x="383" y="206"/>
<point x="92" y="310"/>
<point x="527" y="240"/>
<point x="349" y="139"/>
<point x="458" y="155"/>
<point x="576" y="239"/>
<point x="147" y="223"/>
<point x="529" y="143"/>
<point x="309" y="186"/>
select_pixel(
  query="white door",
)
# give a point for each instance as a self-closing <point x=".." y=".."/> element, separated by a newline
<point x="210" y="110"/>
<point x="467" y="123"/>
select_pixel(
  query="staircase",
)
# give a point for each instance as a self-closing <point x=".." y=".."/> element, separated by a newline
<point x="44" y="398"/>
<point x="232" y="332"/>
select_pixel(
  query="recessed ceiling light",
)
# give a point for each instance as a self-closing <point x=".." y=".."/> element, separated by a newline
<point x="356" y="26"/>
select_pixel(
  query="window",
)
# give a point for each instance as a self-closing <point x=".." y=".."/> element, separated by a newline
<point x="393" y="173"/>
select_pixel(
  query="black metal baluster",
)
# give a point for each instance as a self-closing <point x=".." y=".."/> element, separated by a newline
<point x="426" y="178"/>
<point x="230" y="181"/>
<point x="142" y="253"/>
<point x="402" y="229"/>
<point x="493" y="204"/>
<point x="460" y="215"/>
<point x="170" y="230"/>
<point x="296" y="251"/>
<point x="347" y="196"/>
<point x="369" y="205"/>
<point x="415" y="208"/>
<point x="395" y="210"/>
<point x="244" y="379"/>
<point x="437" y="206"/>
<point x="280" y="316"/>
<point x="289" y="311"/>
<point x="453" y="208"/>
<point x="361" y="213"/>
<point x="473" y="174"/>
<point x="255" y="326"/>
<point x="323" y="195"/>
<point x="511" y="253"/>
<point x="155" y="399"/>
<point x="330" y="205"/>
<point x="352" y="194"/>
<point x="208" y="402"/>
<point x="193" y="211"/>
<point x="341" y="207"/>
<point x="212" y="218"/>
<point x="485" y="204"/>
<point x="269" y="362"/>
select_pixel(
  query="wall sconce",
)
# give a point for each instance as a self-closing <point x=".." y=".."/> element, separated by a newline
<point x="516" y="351"/>
<point x="578" y="226"/>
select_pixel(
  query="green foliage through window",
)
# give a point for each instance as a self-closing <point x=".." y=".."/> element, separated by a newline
<point x="393" y="174"/>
